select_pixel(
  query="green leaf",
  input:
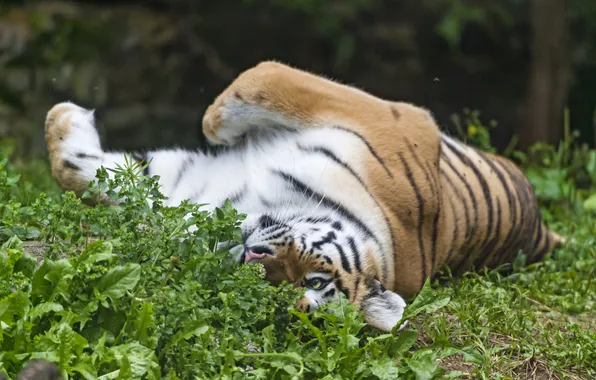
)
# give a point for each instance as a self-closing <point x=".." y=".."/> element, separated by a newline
<point x="136" y="359"/>
<point x="70" y="344"/>
<point x="198" y="330"/>
<point x="59" y="344"/>
<point x="590" y="203"/>
<point x="98" y="251"/>
<point x="52" y="278"/>
<point x="427" y="301"/>
<point x="405" y="341"/>
<point x="12" y="305"/>
<point x="424" y="365"/>
<point x="85" y="369"/>
<point x="144" y="323"/>
<point x="13" y="243"/>
<point x="118" y="281"/>
<point x="26" y="265"/>
<point x="194" y="328"/>
<point x="45" y="308"/>
<point x="385" y="368"/>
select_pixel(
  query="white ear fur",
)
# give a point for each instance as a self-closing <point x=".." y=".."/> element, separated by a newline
<point x="384" y="309"/>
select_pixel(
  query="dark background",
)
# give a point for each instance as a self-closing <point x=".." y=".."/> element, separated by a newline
<point x="150" y="68"/>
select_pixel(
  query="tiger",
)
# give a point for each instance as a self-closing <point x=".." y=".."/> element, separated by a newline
<point x="344" y="192"/>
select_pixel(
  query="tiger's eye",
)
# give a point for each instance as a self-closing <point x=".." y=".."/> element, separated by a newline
<point x="315" y="283"/>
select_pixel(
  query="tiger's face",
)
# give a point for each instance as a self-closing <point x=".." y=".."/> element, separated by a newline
<point x="323" y="255"/>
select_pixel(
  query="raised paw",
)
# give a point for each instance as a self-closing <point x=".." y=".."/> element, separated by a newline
<point x="252" y="101"/>
<point x="73" y="146"/>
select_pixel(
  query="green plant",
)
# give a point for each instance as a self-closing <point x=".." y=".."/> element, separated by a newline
<point x="129" y="291"/>
<point x="152" y="298"/>
<point x="563" y="177"/>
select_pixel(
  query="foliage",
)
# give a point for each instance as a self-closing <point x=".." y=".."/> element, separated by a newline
<point x="564" y="177"/>
<point x="139" y="290"/>
<point x="472" y="131"/>
<point x="153" y="297"/>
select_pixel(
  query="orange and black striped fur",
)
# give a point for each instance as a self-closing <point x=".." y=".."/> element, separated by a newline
<point x="347" y="192"/>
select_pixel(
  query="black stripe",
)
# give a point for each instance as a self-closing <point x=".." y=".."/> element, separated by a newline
<point x="538" y="239"/>
<point x="340" y="286"/>
<point x="304" y="189"/>
<point x="435" y="235"/>
<point x="464" y="204"/>
<point x="303" y="243"/>
<point x="329" y="154"/>
<point x="468" y="244"/>
<point x="356" y="289"/>
<point x="317" y="220"/>
<point x="528" y="223"/>
<point x="474" y="227"/>
<point x="511" y="246"/>
<point x="328" y="259"/>
<point x="266" y="221"/>
<point x="344" y="260"/>
<point x="533" y="212"/>
<point x="329" y="293"/>
<point x="265" y="202"/>
<point x="355" y="253"/>
<point x="512" y="234"/>
<point x="485" y="191"/>
<point x="455" y="231"/>
<point x="420" y="215"/>
<point x="70" y="165"/>
<point x="486" y="253"/>
<point x="183" y="167"/>
<point x="537" y="221"/>
<point x="336" y="225"/>
<point x="540" y="254"/>
<point x="370" y="148"/>
<point x="237" y="196"/>
<point x="331" y="236"/>
<point x="279" y="234"/>
<point x="501" y="178"/>
<point x="333" y="157"/>
<point x="489" y="252"/>
<point x="435" y="226"/>
<point x="435" y="229"/>
<point x="85" y="155"/>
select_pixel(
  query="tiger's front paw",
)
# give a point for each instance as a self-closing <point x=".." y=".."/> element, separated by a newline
<point x="248" y="103"/>
<point x="73" y="146"/>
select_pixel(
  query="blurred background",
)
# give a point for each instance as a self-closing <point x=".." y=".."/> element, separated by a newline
<point x="526" y="69"/>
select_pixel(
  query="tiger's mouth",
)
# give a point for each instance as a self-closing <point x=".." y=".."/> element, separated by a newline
<point x="255" y="253"/>
<point x="246" y="254"/>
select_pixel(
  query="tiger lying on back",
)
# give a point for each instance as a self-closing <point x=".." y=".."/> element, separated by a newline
<point x="343" y="191"/>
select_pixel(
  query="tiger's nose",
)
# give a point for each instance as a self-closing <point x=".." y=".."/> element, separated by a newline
<point x="303" y="305"/>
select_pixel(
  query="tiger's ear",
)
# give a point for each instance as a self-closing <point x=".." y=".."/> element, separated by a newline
<point x="383" y="308"/>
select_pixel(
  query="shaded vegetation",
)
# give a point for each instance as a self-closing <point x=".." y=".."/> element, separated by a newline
<point x="150" y="68"/>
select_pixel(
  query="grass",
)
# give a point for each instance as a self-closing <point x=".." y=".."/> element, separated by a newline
<point x="128" y="292"/>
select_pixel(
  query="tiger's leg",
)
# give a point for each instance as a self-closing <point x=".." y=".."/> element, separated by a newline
<point x="76" y="154"/>
<point x="273" y="95"/>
